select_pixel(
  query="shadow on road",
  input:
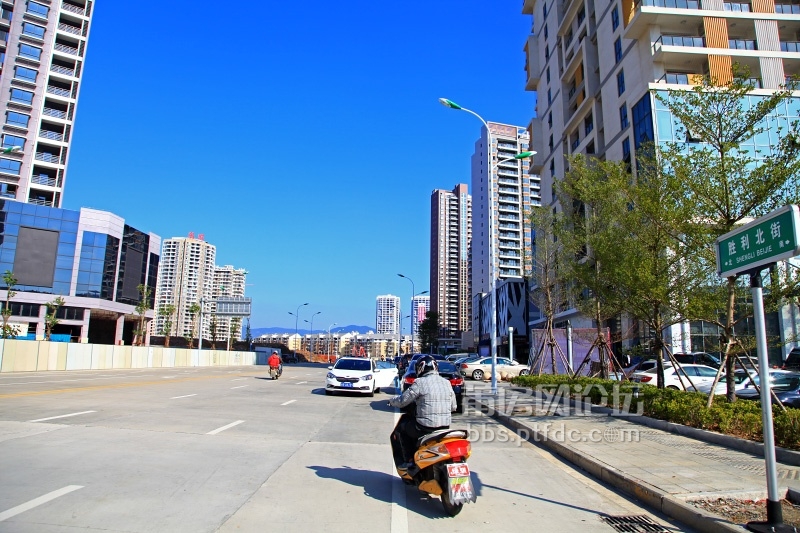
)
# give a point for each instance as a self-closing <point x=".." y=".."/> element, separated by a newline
<point x="381" y="405"/>
<point x="378" y="485"/>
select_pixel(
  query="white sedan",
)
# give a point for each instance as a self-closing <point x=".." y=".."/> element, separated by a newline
<point x="742" y="381"/>
<point x="479" y="368"/>
<point x="357" y="374"/>
<point x="698" y="374"/>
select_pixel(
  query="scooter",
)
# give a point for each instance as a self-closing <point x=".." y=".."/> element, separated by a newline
<point x="440" y="465"/>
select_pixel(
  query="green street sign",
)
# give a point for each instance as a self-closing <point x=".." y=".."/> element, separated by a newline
<point x="765" y="240"/>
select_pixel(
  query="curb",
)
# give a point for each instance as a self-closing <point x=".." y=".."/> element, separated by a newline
<point x="649" y="495"/>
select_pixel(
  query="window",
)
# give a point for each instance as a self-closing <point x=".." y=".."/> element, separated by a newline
<point x="623" y="117"/>
<point x="32" y="30"/>
<point x="550" y="120"/>
<point x="551" y="142"/>
<point x="9" y="166"/>
<point x="618" y="50"/>
<point x="588" y="125"/>
<point x="548" y="73"/>
<point x="31" y="52"/>
<point x="552" y="167"/>
<point x="626" y="150"/>
<point x="21" y="97"/>
<point x="546" y="52"/>
<point x="544" y="10"/>
<point x="13" y="140"/>
<point x="545" y="31"/>
<point x="35" y="8"/>
<point x="17" y="119"/>
<point x="581" y="15"/>
<point x="620" y="83"/>
<point x="549" y="97"/>
<point x="25" y="74"/>
<point x="614" y="18"/>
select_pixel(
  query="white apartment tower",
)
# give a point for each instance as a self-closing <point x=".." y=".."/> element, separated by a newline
<point x="228" y="282"/>
<point x="42" y="51"/>
<point x="450" y="268"/>
<point x="496" y="172"/>
<point x="186" y="276"/>
<point x="387" y="314"/>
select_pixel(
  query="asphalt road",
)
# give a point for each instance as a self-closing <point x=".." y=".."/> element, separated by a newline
<point x="227" y="449"/>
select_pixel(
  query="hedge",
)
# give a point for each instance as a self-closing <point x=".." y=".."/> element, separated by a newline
<point x="741" y="418"/>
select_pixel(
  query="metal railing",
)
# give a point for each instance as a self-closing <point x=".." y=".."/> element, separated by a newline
<point x="742" y="44"/>
<point x="62" y="70"/>
<point x="50" y="112"/>
<point x="69" y="29"/>
<point x="66" y="49"/>
<point x="680" y="40"/>
<point x="672" y="4"/>
<point x="787" y="9"/>
<point x="40" y="201"/>
<point x="47" y="157"/>
<point x="682" y="79"/>
<point x="52" y="135"/>
<point x="52" y="89"/>
<point x="73" y="9"/>
<point x="43" y="179"/>
<point x="739" y="7"/>
<point x="790" y="46"/>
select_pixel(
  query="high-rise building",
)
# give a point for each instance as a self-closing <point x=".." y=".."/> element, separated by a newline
<point x="185" y="278"/>
<point x="229" y="282"/>
<point x="420" y="305"/>
<point x="514" y="190"/>
<point x="605" y="104"/>
<point x="450" y="269"/>
<point x="387" y="314"/>
<point x="42" y="50"/>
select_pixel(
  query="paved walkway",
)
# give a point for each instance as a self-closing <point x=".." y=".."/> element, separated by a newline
<point x="649" y="463"/>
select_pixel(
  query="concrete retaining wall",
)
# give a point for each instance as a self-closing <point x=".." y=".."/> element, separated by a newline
<point x="31" y="356"/>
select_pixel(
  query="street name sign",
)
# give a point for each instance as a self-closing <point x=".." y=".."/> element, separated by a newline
<point x="763" y="241"/>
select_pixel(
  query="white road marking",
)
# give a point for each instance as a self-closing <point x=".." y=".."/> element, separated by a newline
<point x="399" y="522"/>
<point x="238" y="379"/>
<point x="36" y="502"/>
<point x="239" y="387"/>
<point x="61" y="416"/>
<point x="168" y="377"/>
<point x="184" y="396"/>
<point x="301" y="382"/>
<point x="223" y="428"/>
<point x="290" y="401"/>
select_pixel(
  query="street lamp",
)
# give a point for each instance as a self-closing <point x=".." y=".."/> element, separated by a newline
<point x="491" y="168"/>
<point x="413" y="290"/>
<point x="311" y="339"/>
<point x="296" y="315"/>
<point x="329" y="341"/>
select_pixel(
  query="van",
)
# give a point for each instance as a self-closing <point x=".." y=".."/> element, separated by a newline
<point x="792" y="360"/>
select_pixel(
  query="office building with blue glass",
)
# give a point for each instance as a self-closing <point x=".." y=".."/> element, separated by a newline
<point x="90" y="258"/>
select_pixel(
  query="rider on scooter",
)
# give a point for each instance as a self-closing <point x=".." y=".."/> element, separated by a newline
<point x="435" y="401"/>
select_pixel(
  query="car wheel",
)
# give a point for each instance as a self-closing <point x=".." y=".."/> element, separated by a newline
<point x="673" y="387"/>
<point x="371" y="393"/>
<point x="477" y="375"/>
<point x="377" y="389"/>
<point x="524" y="372"/>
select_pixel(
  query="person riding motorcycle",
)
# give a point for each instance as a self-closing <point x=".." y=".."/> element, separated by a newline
<point x="274" y="363"/>
<point x="435" y="401"/>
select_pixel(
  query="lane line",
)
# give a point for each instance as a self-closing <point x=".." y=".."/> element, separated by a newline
<point x="399" y="521"/>
<point x="223" y="428"/>
<point x="61" y="416"/>
<point x="290" y="401"/>
<point x="184" y="396"/>
<point x="301" y="382"/>
<point x="36" y="502"/>
<point x="239" y="387"/>
<point x="238" y="379"/>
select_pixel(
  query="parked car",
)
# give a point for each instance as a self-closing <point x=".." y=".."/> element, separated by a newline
<point x="478" y="368"/>
<point x="697" y="358"/>
<point x="357" y="374"/>
<point x="792" y="360"/>
<point x="448" y="371"/>
<point x="786" y="387"/>
<point x="645" y="366"/>
<point x="696" y="373"/>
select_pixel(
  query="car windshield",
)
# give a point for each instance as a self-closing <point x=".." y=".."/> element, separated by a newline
<point x="786" y="383"/>
<point x="384" y="364"/>
<point x="447" y="368"/>
<point x="352" y="364"/>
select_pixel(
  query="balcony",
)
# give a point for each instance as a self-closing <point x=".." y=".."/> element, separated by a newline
<point x="675" y="40"/>
<point x="44" y="179"/>
<point x="662" y="13"/>
<point x="40" y="201"/>
<point x="66" y="49"/>
<point x="58" y="91"/>
<point x="787" y="9"/>
<point x="62" y="70"/>
<point x="743" y="44"/>
<point x="52" y="135"/>
<point x="790" y="46"/>
<point x="47" y="157"/>
<point x="74" y="30"/>
<point x="50" y="112"/>
<point x="737" y="7"/>
<point x="73" y="9"/>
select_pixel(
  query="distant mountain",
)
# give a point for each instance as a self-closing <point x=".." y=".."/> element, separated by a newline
<point x="257" y="332"/>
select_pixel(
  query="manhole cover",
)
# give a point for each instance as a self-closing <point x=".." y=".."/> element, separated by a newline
<point x="633" y="524"/>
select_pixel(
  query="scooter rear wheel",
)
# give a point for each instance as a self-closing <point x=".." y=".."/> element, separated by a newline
<point x="450" y="508"/>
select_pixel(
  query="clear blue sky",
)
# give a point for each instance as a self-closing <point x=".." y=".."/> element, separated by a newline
<point x="304" y="140"/>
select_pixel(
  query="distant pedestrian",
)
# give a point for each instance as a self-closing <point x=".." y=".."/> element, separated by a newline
<point x="274" y="363"/>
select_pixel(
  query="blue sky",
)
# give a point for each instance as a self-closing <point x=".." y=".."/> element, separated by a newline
<point x="303" y="141"/>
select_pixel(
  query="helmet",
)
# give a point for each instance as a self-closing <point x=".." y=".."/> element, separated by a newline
<point x="425" y="365"/>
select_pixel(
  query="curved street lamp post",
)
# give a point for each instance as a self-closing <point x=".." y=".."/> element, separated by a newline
<point x="491" y="166"/>
<point x="311" y="339"/>
<point x="296" y="316"/>
<point x="329" y="341"/>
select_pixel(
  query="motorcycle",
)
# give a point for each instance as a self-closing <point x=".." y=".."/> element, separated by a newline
<point x="439" y="466"/>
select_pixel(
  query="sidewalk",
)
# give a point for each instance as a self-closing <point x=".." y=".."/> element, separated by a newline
<point x="659" y="468"/>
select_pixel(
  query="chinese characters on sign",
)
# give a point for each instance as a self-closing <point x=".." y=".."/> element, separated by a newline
<point x="766" y="240"/>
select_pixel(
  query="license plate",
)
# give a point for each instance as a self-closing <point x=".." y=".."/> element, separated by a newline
<point x="347" y="385"/>
<point x="458" y="470"/>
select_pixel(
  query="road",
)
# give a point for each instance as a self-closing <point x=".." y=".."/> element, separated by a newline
<point x="227" y="449"/>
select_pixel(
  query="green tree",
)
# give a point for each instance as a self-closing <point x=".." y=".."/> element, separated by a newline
<point x="727" y="182"/>
<point x="248" y="335"/>
<point x="167" y="312"/>
<point x="50" y="320"/>
<point x="429" y="332"/>
<point x="213" y="325"/>
<point x="193" y="310"/>
<point x="233" y="333"/>
<point x="140" y="333"/>
<point x="9" y="279"/>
